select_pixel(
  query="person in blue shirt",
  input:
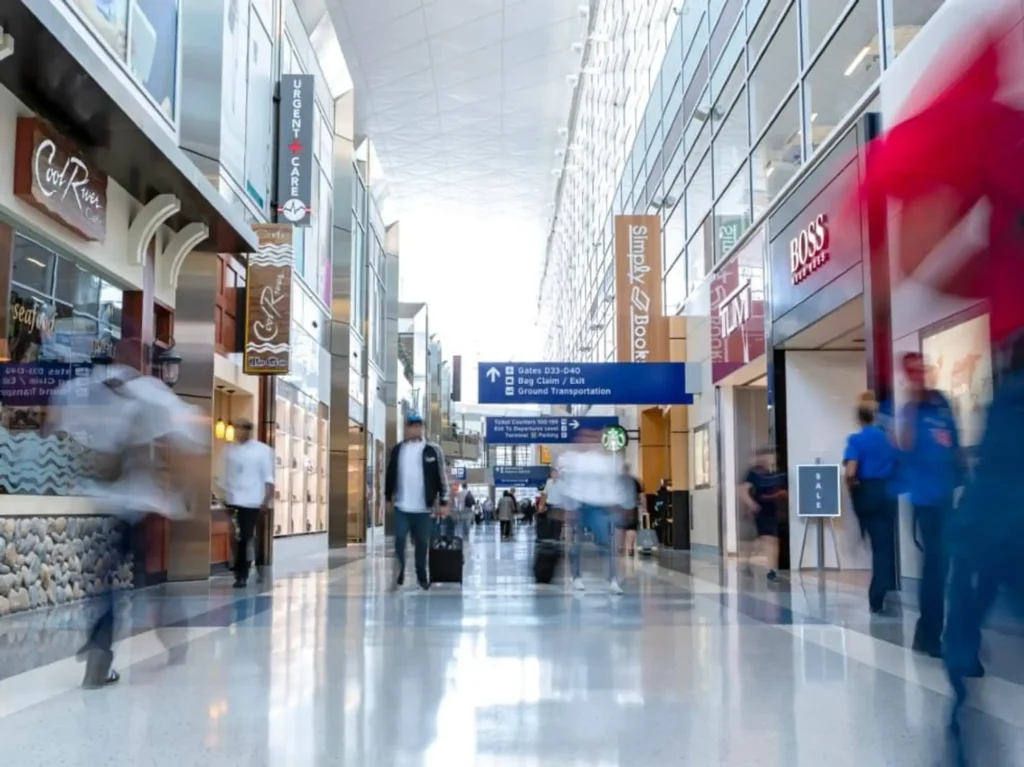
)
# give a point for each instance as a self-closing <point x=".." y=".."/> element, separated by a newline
<point x="870" y="468"/>
<point x="933" y="467"/>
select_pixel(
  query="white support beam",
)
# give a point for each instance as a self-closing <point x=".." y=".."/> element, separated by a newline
<point x="181" y="244"/>
<point x="145" y="225"/>
<point x="6" y="44"/>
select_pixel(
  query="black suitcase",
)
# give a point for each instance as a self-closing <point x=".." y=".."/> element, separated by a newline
<point x="445" y="559"/>
<point x="545" y="561"/>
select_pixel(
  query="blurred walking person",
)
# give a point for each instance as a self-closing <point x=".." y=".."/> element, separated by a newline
<point x="870" y="462"/>
<point x="593" y="483"/>
<point x="140" y="437"/>
<point x="465" y="503"/>
<point x="629" y="522"/>
<point x="249" y="490"/>
<point x="760" y="491"/>
<point x="415" y="482"/>
<point x="933" y="467"/>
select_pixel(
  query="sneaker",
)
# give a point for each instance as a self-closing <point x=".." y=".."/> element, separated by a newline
<point x="773" y="576"/>
<point x="400" y="580"/>
<point x="425" y="585"/>
<point x="577" y="584"/>
<point x="238" y="584"/>
<point x="614" y="587"/>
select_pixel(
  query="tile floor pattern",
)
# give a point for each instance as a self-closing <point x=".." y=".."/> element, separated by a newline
<point x="324" y="666"/>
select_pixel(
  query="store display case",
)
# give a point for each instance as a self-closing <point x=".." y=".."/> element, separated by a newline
<point x="300" y="453"/>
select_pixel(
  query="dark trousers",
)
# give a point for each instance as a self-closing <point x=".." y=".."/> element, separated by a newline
<point x="246" y="520"/>
<point x="506" y="528"/>
<point x="420" y="525"/>
<point x="929" y="522"/>
<point x="876" y="511"/>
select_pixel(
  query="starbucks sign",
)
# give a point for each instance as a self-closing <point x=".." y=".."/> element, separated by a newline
<point x="614" y="438"/>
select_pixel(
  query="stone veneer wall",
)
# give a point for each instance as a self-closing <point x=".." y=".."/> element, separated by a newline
<point x="55" y="560"/>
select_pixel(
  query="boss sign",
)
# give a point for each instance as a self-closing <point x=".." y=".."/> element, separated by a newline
<point x="809" y="250"/>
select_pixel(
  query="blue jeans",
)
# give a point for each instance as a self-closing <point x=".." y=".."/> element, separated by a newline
<point x="876" y="510"/>
<point x="599" y="521"/>
<point x="419" y="524"/>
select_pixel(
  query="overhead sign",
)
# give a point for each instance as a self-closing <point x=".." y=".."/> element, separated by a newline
<point x="268" y="306"/>
<point x="31" y="384"/>
<point x="459" y="473"/>
<point x="502" y="430"/>
<point x="808" y="251"/>
<point x="818" y="491"/>
<point x="642" y="335"/>
<point x="295" y="149"/>
<point x="51" y="174"/>
<point x="584" y="383"/>
<point x="521" y="476"/>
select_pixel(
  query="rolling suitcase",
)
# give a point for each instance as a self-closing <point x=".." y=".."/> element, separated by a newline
<point x="545" y="560"/>
<point x="646" y="538"/>
<point x="445" y="559"/>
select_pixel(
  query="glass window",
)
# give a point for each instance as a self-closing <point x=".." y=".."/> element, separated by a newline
<point x="153" y="53"/>
<point x="775" y="74"/>
<point x="777" y="157"/>
<point x="675" y="234"/>
<point x="728" y="76"/>
<point x="693" y="22"/>
<point x="819" y="17"/>
<point x="762" y="16"/>
<point x="698" y="254"/>
<point x="676" y="288"/>
<point x="699" y="194"/>
<point x="79" y="288"/>
<point x="358" y="270"/>
<point x="33" y="265"/>
<point x="110" y="20"/>
<point x="699" y="147"/>
<point x="111" y="302"/>
<point x="727" y="28"/>
<point x="904" y="19"/>
<point x="732" y="144"/>
<point x="732" y="214"/>
<point x="847" y="67"/>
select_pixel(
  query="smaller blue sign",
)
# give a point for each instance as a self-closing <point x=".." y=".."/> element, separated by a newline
<point x="559" y="430"/>
<point x="459" y="473"/>
<point x="521" y="476"/>
<point x="31" y="384"/>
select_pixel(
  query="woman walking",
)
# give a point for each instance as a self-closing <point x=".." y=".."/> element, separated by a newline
<point x="506" y="514"/>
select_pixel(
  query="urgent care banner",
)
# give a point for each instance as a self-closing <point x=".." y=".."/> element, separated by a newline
<point x="641" y="330"/>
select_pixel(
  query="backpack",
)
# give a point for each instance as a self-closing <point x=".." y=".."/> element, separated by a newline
<point x="469" y="501"/>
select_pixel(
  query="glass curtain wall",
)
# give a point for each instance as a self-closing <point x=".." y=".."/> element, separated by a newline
<point x="744" y="95"/>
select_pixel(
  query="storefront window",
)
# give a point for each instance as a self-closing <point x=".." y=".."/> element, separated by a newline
<point x="777" y="157"/>
<point x="153" y="53"/>
<point x="904" y="19"/>
<point x="732" y="214"/>
<point x="33" y="266"/>
<point x="847" y="67"/>
<point x="775" y="74"/>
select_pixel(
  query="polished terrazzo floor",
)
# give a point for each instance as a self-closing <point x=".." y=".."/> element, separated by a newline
<point x="322" y="665"/>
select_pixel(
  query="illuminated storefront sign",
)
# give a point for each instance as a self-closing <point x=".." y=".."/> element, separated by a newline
<point x="809" y="250"/>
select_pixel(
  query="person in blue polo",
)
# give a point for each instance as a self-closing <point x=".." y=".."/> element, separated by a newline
<point x="870" y="469"/>
<point x="932" y="464"/>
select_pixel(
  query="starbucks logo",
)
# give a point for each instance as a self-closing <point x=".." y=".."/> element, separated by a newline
<point x="614" y="438"/>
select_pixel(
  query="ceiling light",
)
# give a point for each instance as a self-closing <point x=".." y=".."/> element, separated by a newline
<point x="576" y="47"/>
<point x="559" y="153"/>
<point x="35" y="261"/>
<point x="563" y="131"/>
<point x="857" y="60"/>
<point x="814" y="116"/>
<point x="556" y="171"/>
<point x="572" y="79"/>
<point x="769" y="171"/>
<point x="584" y="10"/>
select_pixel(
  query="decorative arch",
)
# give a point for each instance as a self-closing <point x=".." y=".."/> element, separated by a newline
<point x="144" y="226"/>
<point x="181" y="244"/>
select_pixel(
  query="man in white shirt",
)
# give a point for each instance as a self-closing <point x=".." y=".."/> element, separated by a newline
<point x="415" y="480"/>
<point x="249" y="488"/>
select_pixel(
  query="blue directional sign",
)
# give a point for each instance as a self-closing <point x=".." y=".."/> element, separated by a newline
<point x="521" y="476"/>
<point x="502" y="430"/>
<point x="583" y="383"/>
<point x="458" y="473"/>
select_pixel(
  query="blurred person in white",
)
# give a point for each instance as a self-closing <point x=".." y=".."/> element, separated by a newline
<point x="595" y="486"/>
<point x="141" y="438"/>
<point x="249" y="491"/>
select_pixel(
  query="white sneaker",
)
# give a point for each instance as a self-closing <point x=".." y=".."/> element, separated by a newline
<point x="577" y="584"/>
<point x="614" y="587"/>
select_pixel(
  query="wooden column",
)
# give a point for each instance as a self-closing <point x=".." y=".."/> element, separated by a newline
<point x="6" y="268"/>
<point x="138" y="327"/>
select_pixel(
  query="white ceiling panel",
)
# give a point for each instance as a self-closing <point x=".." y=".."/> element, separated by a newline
<point x="484" y="80"/>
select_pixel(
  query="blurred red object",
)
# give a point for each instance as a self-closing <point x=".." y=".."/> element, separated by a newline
<point x="957" y="154"/>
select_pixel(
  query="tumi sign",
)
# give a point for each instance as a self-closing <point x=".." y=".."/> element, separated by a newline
<point x="641" y="334"/>
<point x="738" y="310"/>
<point x="268" y="305"/>
<point x="808" y="251"/>
<point x="52" y="175"/>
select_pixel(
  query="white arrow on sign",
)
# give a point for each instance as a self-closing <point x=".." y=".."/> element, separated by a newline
<point x="493" y="374"/>
<point x="574" y="424"/>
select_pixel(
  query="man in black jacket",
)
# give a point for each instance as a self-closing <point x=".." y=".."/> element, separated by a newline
<point x="416" y="480"/>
